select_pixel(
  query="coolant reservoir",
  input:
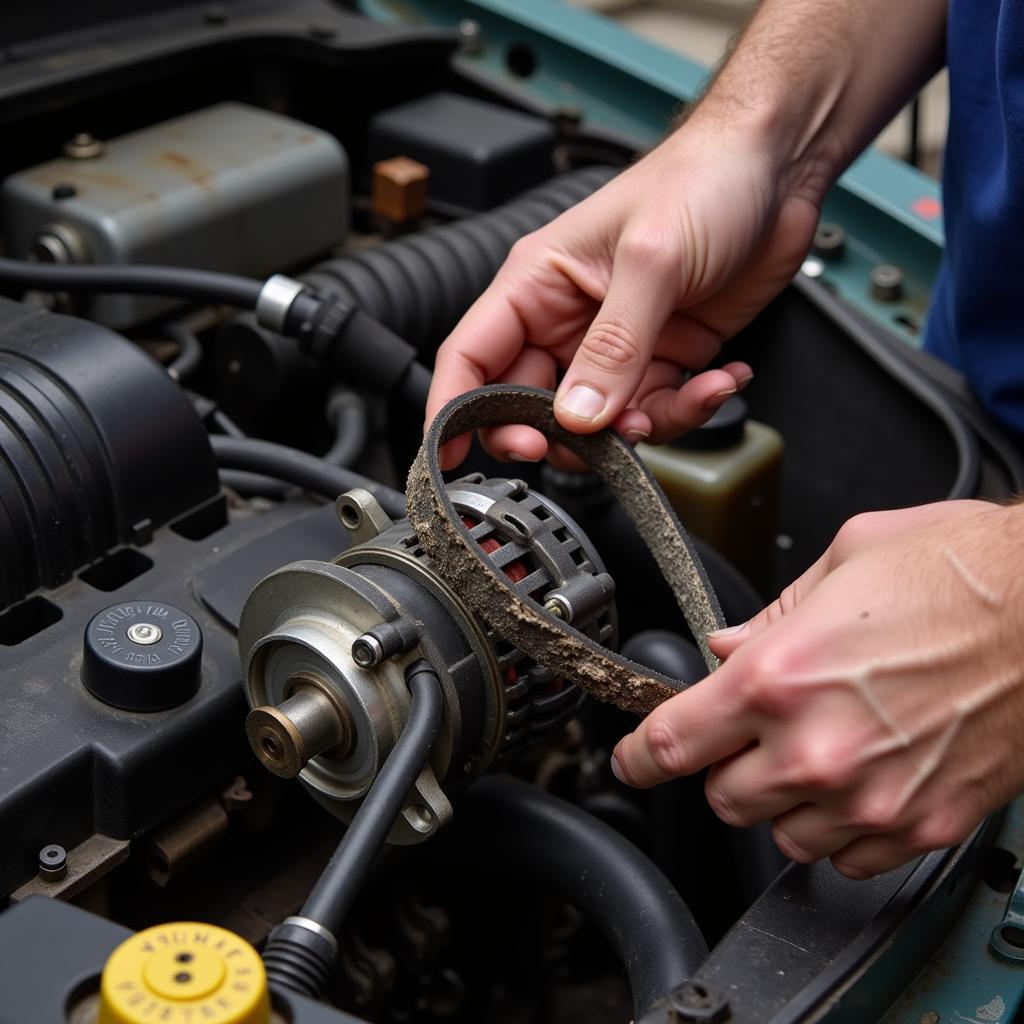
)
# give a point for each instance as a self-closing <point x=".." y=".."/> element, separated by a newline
<point x="723" y="481"/>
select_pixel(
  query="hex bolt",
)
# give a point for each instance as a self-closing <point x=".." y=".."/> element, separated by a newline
<point x="886" y="283"/>
<point x="470" y="36"/>
<point x="580" y="598"/>
<point x="83" y="147"/>
<point x="696" y="1002"/>
<point x="53" y="863"/>
<point x="367" y="651"/>
<point x="145" y="633"/>
<point x="384" y="641"/>
<point x="829" y="240"/>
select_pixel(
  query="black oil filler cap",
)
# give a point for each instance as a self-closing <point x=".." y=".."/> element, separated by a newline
<point x="142" y="656"/>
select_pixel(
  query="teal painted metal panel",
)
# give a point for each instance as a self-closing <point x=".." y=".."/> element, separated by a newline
<point x="963" y="982"/>
<point x="622" y="84"/>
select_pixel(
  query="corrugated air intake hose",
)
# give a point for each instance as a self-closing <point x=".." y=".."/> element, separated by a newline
<point x="421" y="285"/>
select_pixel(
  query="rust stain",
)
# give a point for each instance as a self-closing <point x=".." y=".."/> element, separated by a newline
<point x="196" y="173"/>
<point x="305" y="138"/>
<point x="177" y="159"/>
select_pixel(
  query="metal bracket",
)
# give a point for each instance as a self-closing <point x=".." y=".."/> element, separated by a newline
<point x="1006" y="943"/>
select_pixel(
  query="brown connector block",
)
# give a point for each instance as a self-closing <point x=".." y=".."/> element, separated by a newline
<point x="400" y="189"/>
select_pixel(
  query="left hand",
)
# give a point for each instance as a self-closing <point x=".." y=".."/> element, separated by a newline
<point x="873" y="712"/>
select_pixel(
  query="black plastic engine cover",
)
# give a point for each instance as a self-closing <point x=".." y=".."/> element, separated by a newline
<point x="98" y="446"/>
<point x="72" y="765"/>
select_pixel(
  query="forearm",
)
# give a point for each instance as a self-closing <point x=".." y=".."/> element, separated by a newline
<point x="817" y="79"/>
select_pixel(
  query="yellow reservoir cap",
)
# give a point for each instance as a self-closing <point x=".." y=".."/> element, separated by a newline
<point x="184" y="972"/>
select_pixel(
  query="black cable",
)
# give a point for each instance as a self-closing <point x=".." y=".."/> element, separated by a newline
<point x="338" y="885"/>
<point x="253" y="485"/>
<point x="190" y="351"/>
<point x="301" y="951"/>
<point x="300" y="468"/>
<point x="506" y="824"/>
<point x="177" y="282"/>
<point x="346" y="412"/>
<point x="414" y="387"/>
<point x="225" y="424"/>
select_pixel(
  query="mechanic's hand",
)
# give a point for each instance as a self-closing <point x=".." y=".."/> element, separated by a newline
<point x="875" y="711"/>
<point x="631" y="289"/>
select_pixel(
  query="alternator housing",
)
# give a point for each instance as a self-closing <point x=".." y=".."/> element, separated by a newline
<point x="325" y="646"/>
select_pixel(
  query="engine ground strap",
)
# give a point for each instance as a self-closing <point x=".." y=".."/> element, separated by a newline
<point x="466" y="568"/>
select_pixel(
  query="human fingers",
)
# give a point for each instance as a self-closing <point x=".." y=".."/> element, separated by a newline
<point x="745" y="789"/>
<point x="675" y="410"/>
<point x="533" y="367"/>
<point x="615" y="351"/>
<point x="691" y="730"/>
<point x="724" y="642"/>
<point x="485" y="342"/>
<point x="810" y="832"/>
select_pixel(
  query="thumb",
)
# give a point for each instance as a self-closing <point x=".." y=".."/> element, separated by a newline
<point x="615" y="352"/>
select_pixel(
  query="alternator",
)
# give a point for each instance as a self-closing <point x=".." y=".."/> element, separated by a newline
<point x="325" y="645"/>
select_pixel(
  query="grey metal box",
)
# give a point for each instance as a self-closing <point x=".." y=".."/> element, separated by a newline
<point x="230" y="188"/>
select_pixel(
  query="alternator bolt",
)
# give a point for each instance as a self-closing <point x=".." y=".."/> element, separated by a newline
<point x="145" y="633"/>
<point x="83" y="147"/>
<point x="560" y="608"/>
<point x="886" y="283"/>
<point x="367" y="651"/>
<point x="469" y="35"/>
<point x="53" y="863"/>
<point x="695" y="1002"/>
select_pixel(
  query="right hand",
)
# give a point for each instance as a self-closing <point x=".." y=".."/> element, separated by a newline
<point x="633" y="290"/>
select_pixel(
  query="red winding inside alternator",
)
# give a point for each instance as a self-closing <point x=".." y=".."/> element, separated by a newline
<point x="516" y="571"/>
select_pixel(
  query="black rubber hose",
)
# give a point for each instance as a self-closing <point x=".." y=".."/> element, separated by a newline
<point x="338" y="885"/>
<point x="421" y="285"/>
<point x="301" y="951"/>
<point x="190" y="351"/>
<point x="346" y="412"/>
<point x="300" y="468"/>
<point x="415" y="386"/>
<point x="177" y="282"/>
<point x="506" y="824"/>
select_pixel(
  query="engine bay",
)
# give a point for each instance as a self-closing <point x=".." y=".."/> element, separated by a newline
<point x="234" y="237"/>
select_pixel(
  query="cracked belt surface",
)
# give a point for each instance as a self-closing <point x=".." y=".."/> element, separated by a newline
<point x="464" y="566"/>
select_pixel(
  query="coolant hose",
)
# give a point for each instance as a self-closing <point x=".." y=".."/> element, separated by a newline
<point x="190" y="351"/>
<point x="301" y="469"/>
<point x="421" y="285"/>
<point x="506" y="824"/>
<point x="346" y="412"/>
<point x="301" y="951"/>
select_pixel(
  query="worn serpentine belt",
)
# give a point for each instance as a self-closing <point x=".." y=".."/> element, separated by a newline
<point x="460" y="561"/>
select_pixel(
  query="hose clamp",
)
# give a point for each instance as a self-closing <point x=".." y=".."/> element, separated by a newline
<point x="275" y="299"/>
<point x="317" y="929"/>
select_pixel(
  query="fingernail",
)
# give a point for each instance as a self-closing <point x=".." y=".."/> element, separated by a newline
<point x="617" y="771"/>
<point x="636" y="434"/>
<point x="744" y="381"/>
<point x="720" y="396"/>
<point x="582" y="402"/>
<point x="728" y="631"/>
<point x="519" y="457"/>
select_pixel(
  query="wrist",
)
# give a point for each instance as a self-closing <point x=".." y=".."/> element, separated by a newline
<point x="769" y="134"/>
